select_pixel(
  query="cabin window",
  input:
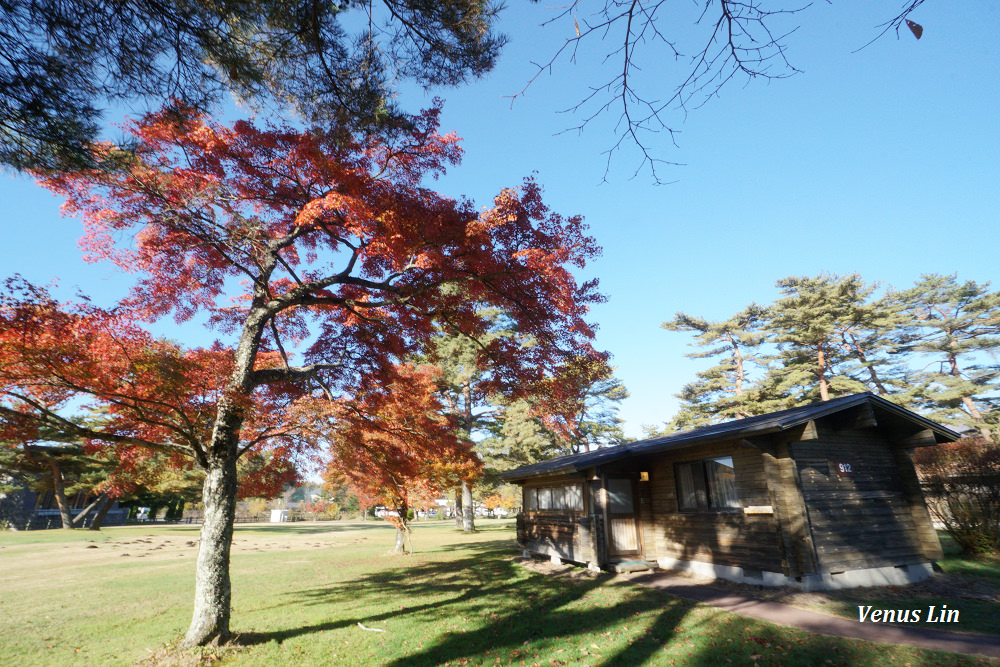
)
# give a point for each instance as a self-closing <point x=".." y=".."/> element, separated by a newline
<point x="548" y="498"/>
<point x="709" y="484"/>
<point x="545" y="499"/>
<point x="574" y="497"/>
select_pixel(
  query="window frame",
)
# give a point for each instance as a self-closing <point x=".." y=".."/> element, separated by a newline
<point x="700" y="478"/>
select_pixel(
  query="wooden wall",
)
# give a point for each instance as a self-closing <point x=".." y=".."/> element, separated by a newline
<point x="724" y="538"/>
<point x="868" y="518"/>
<point x="563" y="534"/>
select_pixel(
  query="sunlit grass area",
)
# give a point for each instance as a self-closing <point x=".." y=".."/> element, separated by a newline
<point x="317" y="594"/>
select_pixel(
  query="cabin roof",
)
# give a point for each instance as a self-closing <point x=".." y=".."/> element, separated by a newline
<point x="885" y="411"/>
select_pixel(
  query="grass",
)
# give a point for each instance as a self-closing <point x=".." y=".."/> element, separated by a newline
<point x="302" y="591"/>
<point x="953" y="562"/>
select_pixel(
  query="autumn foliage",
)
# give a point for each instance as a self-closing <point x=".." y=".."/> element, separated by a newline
<point x="147" y="395"/>
<point x="324" y="264"/>
<point x="962" y="482"/>
<point x="394" y="444"/>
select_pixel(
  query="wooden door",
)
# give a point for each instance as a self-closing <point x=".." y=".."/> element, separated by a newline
<point x="623" y="530"/>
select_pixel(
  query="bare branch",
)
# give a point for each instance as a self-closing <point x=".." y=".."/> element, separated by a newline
<point x="741" y="43"/>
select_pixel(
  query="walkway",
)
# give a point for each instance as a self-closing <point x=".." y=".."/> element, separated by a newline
<point x="824" y="624"/>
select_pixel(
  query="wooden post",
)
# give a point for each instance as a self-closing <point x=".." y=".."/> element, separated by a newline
<point x="790" y="512"/>
<point x="929" y="543"/>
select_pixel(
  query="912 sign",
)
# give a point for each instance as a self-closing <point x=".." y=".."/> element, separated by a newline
<point x="844" y="468"/>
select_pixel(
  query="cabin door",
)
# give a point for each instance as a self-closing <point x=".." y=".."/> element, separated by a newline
<point x="623" y="533"/>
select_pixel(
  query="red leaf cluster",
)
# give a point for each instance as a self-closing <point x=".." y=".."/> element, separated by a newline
<point x="294" y="240"/>
<point x="393" y="443"/>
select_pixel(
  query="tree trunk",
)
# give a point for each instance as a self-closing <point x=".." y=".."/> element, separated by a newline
<point x="101" y="513"/>
<point x="458" y="509"/>
<point x="213" y="591"/>
<point x="468" y="515"/>
<point x="738" y="360"/>
<point x="82" y="515"/>
<point x="967" y="401"/>
<point x="403" y="545"/>
<point x="824" y="391"/>
<point x="860" y="353"/>
<point x="60" y="493"/>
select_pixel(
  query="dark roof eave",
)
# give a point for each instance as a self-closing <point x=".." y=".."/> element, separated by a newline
<point x="628" y="452"/>
<point x="783" y="421"/>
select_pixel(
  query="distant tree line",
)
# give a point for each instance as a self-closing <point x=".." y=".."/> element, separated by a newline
<point x="931" y="348"/>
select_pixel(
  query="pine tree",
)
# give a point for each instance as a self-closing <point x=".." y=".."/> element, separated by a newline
<point x="809" y="326"/>
<point x="467" y="389"/>
<point x="66" y="62"/>
<point x="724" y="391"/>
<point x="520" y="438"/>
<point x="597" y="421"/>
<point x="63" y="468"/>
<point x="580" y="403"/>
<point x="953" y="329"/>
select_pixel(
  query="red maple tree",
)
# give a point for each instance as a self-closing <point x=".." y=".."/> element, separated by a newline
<point x="316" y="241"/>
<point x="395" y="444"/>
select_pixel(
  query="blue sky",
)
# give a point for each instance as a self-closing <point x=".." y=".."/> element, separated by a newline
<point x="881" y="162"/>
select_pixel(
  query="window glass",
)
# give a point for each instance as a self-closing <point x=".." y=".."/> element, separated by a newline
<point x="707" y="484"/>
<point x="721" y="478"/>
<point x="531" y="499"/>
<point x="620" y="496"/>
<point x="544" y="499"/>
<point x="574" y="497"/>
<point x="687" y="488"/>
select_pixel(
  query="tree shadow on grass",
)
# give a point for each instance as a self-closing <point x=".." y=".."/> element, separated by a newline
<point x="485" y="609"/>
<point x="510" y="608"/>
<point x="432" y="590"/>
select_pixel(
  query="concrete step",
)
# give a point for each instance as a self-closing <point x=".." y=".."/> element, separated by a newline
<point x="633" y="566"/>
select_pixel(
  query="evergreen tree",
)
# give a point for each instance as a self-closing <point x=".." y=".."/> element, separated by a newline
<point x="597" y="420"/>
<point x="467" y="389"/>
<point x="953" y="334"/>
<point x="520" y="438"/>
<point x="825" y="337"/>
<point x="63" y="468"/>
<point x="581" y="403"/>
<point x="808" y="326"/>
<point x="724" y="391"/>
<point x="865" y="332"/>
<point x="64" y="62"/>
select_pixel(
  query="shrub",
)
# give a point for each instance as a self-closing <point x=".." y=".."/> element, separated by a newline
<point x="962" y="483"/>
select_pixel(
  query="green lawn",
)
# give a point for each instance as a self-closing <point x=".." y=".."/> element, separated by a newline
<point x="301" y="591"/>
<point x="986" y="567"/>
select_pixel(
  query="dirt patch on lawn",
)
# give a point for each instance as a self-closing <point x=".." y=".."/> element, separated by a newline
<point x="170" y="547"/>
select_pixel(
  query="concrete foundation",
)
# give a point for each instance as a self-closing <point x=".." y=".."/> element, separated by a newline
<point x="876" y="576"/>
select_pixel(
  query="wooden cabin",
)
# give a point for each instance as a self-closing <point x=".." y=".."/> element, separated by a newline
<point x="817" y="497"/>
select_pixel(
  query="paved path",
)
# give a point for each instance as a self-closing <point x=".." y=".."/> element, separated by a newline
<point x="824" y="624"/>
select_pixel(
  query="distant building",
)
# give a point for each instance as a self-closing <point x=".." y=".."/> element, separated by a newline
<point x="25" y="509"/>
